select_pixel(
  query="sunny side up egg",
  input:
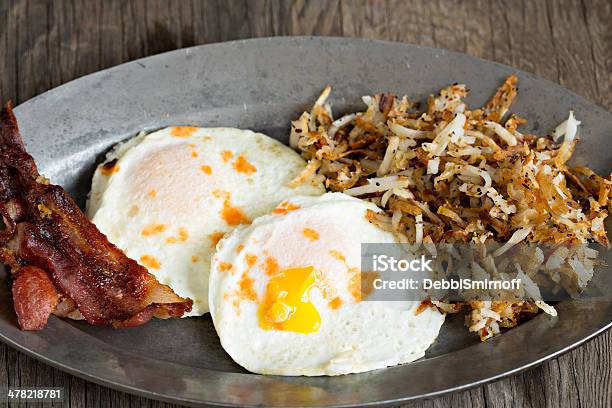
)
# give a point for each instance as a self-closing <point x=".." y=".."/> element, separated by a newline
<point x="285" y="294"/>
<point x="168" y="197"/>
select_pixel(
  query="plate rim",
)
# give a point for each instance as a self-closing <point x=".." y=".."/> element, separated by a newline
<point x="107" y="70"/>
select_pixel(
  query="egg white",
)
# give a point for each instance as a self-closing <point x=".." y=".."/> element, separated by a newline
<point x="173" y="193"/>
<point x="355" y="337"/>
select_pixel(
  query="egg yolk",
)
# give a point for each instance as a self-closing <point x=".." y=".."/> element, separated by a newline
<point x="286" y="304"/>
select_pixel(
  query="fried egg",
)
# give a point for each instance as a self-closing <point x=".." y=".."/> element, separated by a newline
<point x="286" y="298"/>
<point x="168" y="197"/>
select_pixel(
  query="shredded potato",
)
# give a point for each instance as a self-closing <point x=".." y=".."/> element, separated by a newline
<point x="454" y="175"/>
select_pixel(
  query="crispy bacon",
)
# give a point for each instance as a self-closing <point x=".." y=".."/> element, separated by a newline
<point x="45" y="229"/>
<point x="35" y="297"/>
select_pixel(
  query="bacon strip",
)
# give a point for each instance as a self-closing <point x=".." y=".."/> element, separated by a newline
<point x="44" y="228"/>
<point x="35" y="297"/>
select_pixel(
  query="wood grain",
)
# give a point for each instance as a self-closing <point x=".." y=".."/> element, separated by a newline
<point x="46" y="43"/>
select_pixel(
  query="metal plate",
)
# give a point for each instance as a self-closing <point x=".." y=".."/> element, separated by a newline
<point x="263" y="84"/>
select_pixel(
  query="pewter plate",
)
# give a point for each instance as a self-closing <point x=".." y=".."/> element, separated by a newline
<point x="263" y="84"/>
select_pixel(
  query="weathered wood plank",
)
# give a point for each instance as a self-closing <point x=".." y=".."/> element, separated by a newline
<point x="8" y="64"/>
<point x="365" y="19"/>
<point x="46" y="43"/>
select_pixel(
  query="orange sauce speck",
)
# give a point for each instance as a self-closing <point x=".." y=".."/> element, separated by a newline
<point x="284" y="207"/>
<point x="194" y="153"/>
<point x="182" y="131"/>
<point x="215" y="237"/>
<point x="239" y="248"/>
<point x="354" y="284"/>
<point x="335" y="303"/>
<point x="153" y="229"/>
<point x="183" y="234"/>
<point x="368" y="278"/>
<point x="226" y="155"/>
<point x="245" y="291"/>
<point x="337" y="255"/>
<point x="150" y="262"/>
<point x="358" y="278"/>
<point x="311" y="234"/>
<point x="224" y="266"/>
<point x="233" y="216"/>
<point x="251" y="259"/>
<point x="171" y="240"/>
<point x="206" y="169"/>
<point x="242" y="165"/>
<point x="194" y="258"/>
<point x="271" y="266"/>
<point x="152" y="194"/>
<point x="246" y="288"/>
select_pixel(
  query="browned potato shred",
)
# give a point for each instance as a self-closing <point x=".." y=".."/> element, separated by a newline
<point x="455" y="175"/>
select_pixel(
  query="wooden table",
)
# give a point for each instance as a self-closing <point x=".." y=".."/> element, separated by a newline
<point x="46" y="43"/>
